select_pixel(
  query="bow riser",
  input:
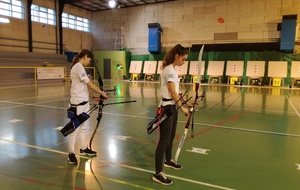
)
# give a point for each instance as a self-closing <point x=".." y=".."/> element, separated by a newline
<point x="100" y="106"/>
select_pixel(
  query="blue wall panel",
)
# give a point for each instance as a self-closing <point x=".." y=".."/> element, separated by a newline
<point x="288" y="33"/>
<point x="154" y="38"/>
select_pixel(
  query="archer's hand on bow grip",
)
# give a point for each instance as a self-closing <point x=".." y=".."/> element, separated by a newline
<point x="191" y="110"/>
<point x="100" y="98"/>
<point x="104" y="96"/>
<point x="185" y="111"/>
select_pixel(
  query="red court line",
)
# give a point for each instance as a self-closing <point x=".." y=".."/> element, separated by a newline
<point x="235" y="117"/>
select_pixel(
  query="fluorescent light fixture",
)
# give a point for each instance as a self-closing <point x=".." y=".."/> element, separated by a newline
<point x="4" y="20"/>
<point x="112" y="3"/>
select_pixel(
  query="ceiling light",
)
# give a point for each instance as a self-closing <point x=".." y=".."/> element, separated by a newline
<point x="4" y="20"/>
<point x="112" y="3"/>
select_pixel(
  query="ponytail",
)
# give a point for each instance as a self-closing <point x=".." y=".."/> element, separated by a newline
<point x="82" y="53"/>
<point x="75" y="60"/>
<point x="170" y="56"/>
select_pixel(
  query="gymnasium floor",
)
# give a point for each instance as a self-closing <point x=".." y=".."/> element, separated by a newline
<point x="246" y="138"/>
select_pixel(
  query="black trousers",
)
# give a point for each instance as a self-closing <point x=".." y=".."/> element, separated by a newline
<point x="167" y="135"/>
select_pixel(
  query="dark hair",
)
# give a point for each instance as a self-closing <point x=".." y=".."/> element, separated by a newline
<point x="170" y="56"/>
<point x="83" y="53"/>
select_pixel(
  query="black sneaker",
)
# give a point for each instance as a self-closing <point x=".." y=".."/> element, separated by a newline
<point x="88" y="152"/>
<point x="172" y="165"/>
<point x="72" y="158"/>
<point x="162" y="179"/>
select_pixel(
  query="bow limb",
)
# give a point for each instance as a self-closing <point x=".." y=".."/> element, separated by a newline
<point x="192" y="110"/>
<point x="100" y="81"/>
<point x="197" y="86"/>
<point x="101" y="101"/>
<point x="186" y="129"/>
<point x="199" y="73"/>
<point x="100" y="105"/>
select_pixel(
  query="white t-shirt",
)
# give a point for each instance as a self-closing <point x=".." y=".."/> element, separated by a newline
<point x="168" y="74"/>
<point x="79" y="89"/>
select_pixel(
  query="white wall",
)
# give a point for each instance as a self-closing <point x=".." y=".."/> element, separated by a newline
<point x="184" y="21"/>
<point x="193" y="22"/>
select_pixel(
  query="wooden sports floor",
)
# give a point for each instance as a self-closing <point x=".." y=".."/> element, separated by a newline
<point x="246" y="138"/>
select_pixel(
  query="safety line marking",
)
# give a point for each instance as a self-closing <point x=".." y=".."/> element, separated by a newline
<point x="199" y="150"/>
<point x="14" y="120"/>
<point x="121" y="165"/>
<point x="293" y="106"/>
<point x="121" y="137"/>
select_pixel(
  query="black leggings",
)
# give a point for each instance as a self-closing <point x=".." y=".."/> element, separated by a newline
<point x="167" y="135"/>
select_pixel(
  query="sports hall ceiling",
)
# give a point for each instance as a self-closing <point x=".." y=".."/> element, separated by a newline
<point x="102" y="5"/>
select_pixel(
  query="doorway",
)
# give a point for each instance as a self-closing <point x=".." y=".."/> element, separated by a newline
<point x="107" y="68"/>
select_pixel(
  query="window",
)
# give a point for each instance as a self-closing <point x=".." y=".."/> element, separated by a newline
<point x="16" y="8"/>
<point x="43" y="15"/>
<point x="12" y="8"/>
<point x="75" y="22"/>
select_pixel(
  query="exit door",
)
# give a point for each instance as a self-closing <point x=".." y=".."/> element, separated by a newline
<point x="107" y="68"/>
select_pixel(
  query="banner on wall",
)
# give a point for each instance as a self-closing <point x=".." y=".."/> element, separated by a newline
<point x="50" y="73"/>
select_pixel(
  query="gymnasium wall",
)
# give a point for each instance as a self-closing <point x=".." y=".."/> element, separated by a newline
<point x="14" y="35"/>
<point x="266" y="56"/>
<point x="115" y="58"/>
<point x="195" y="22"/>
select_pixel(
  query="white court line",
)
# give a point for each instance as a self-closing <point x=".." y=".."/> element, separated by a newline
<point x="293" y="106"/>
<point x="248" y="130"/>
<point x="238" y="108"/>
<point x="35" y="105"/>
<point x="99" y="129"/>
<point x="211" y="125"/>
<point x="202" y="124"/>
<point x="127" y="118"/>
<point x="121" y="165"/>
<point x="39" y="96"/>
